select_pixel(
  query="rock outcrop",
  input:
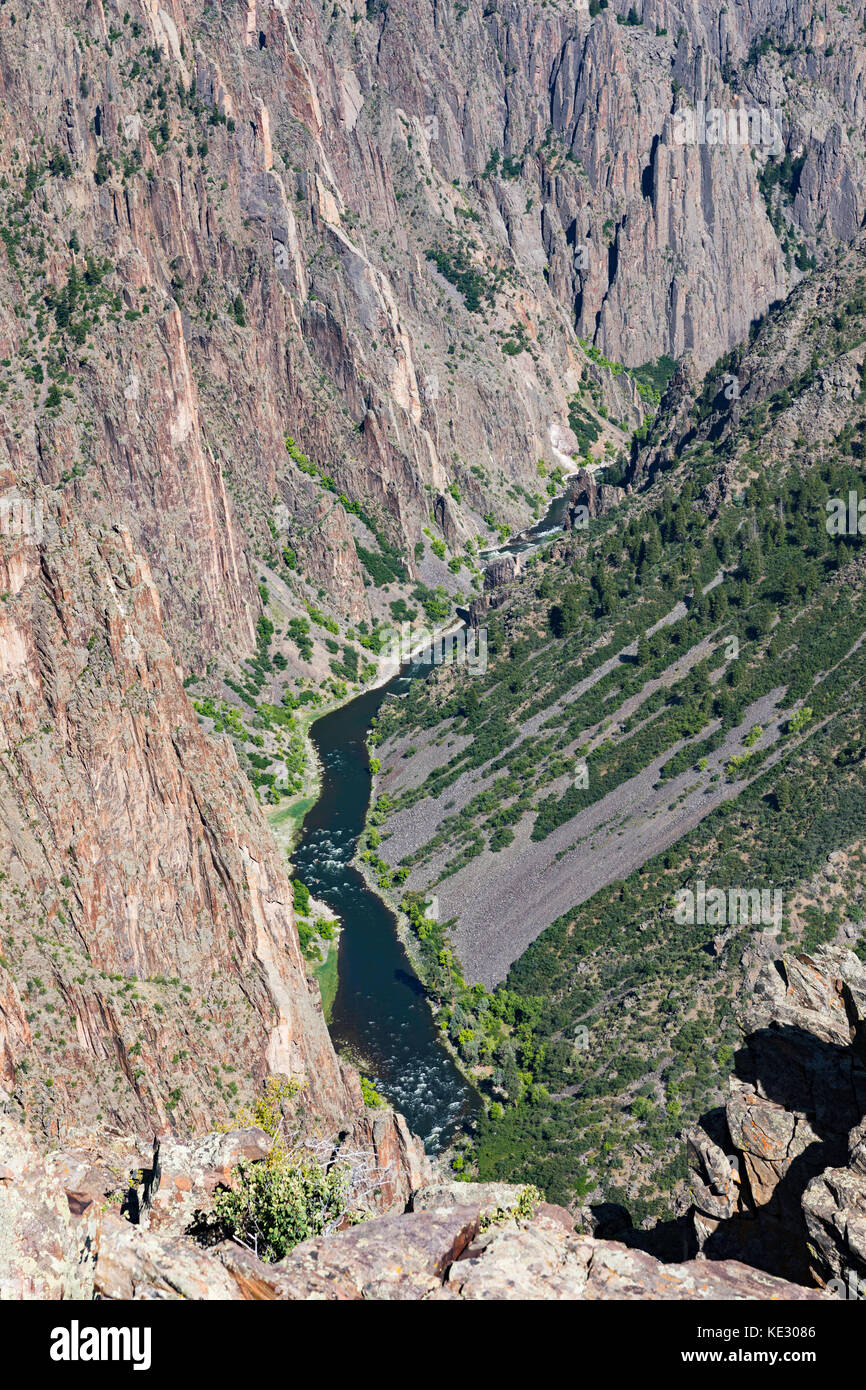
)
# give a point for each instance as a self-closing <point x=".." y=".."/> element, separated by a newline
<point x="587" y="497"/>
<point x="43" y="1244"/>
<point x="780" y="1179"/>
<point x="460" y="1241"/>
<point x="778" y="1184"/>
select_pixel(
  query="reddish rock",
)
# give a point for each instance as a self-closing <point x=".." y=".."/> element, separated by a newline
<point x="399" y="1257"/>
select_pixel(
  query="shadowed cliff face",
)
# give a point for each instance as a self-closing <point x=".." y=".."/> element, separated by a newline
<point x="216" y="226"/>
<point x="778" y="1180"/>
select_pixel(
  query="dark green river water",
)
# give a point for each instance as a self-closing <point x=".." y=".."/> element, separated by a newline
<point x="380" y="1013"/>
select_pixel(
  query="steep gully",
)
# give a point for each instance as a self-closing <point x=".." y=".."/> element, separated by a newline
<point x="380" y="1014"/>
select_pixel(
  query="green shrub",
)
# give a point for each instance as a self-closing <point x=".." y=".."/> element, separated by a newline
<point x="297" y="1192"/>
<point x="371" y="1095"/>
<point x="274" y="1206"/>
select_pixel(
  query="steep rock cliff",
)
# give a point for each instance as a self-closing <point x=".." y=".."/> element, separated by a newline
<point x="223" y="225"/>
<point x="147" y="915"/>
<point x="779" y="1180"/>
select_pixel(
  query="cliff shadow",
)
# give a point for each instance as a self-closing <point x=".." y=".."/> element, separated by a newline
<point x="823" y="1083"/>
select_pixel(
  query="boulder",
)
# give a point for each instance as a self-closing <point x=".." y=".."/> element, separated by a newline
<point x="788" y="1189"/>
<point x="43" y="1246"/>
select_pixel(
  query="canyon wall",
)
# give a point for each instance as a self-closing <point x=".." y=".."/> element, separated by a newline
<point x="227" y="224"/>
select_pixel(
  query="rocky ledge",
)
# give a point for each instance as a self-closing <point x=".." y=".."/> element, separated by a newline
<point x="459" y="1241"/>
<point x="779" y="1191"/>
<point x="779" y="1178"/>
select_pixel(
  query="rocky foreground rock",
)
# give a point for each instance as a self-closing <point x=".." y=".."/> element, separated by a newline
<point x="779" y="1193"/>
<point x="780" y="1179"/>
<point x="459" y="1241"/>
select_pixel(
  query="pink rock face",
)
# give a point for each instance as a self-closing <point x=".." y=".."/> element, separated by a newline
<point x="439" y="1255"/>
<point x="173" y="880"/>
<point x="15" y="1037"/>
<point x="41" y="1244"/>
<point x="61" y="1236"/>
<point x="234" y="220"/>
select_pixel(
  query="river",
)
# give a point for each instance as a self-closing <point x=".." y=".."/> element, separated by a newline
<point x="380" y="1014"/>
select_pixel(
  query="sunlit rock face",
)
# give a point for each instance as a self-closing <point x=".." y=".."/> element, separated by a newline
<point x="224" y="224"/>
